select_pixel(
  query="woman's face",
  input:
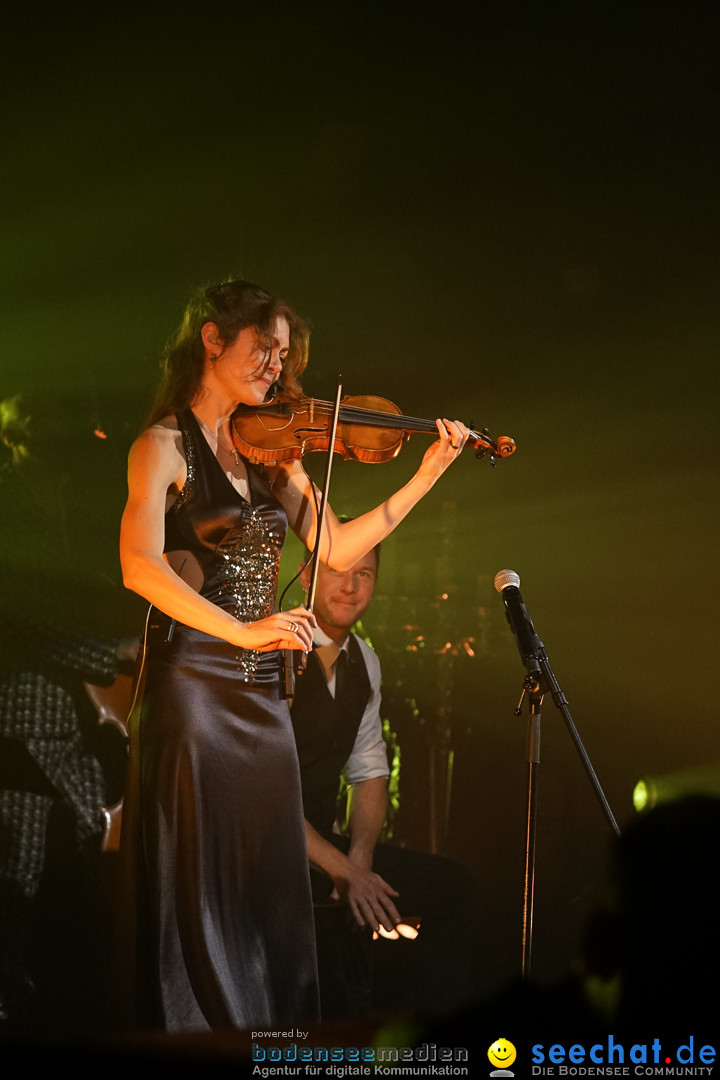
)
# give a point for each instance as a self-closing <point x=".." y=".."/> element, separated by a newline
<point x="246" y="369"/>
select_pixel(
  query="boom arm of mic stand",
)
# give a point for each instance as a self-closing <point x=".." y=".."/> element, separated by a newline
<point x="562" y="705"/>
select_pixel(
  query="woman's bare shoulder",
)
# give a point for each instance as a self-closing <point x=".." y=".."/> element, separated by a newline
<point x="160" y="445"/>
<point x="163" y="433"/>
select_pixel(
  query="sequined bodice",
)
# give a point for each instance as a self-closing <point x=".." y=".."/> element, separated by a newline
<point x="237" y="542"/>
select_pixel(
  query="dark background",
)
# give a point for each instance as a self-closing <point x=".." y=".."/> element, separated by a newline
<point x="502" y="213"/>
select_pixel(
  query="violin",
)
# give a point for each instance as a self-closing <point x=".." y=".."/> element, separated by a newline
<point x="369" y="429"/>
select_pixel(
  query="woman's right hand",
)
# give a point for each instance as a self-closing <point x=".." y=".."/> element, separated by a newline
<point x="284" y="630"/>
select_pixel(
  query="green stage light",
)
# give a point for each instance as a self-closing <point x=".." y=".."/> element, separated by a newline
<point x="641" y="796"/>
<point x="699" y="780"/>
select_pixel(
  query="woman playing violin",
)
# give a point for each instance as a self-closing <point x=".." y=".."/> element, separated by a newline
<point x="220" y="930"/>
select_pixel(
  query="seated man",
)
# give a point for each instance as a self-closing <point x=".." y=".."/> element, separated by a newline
<point x="336" y="716"/>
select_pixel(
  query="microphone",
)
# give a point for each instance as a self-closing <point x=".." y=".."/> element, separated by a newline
<point x="507" y="583"/>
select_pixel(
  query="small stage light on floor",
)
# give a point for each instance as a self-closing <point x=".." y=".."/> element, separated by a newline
<point x="409" y="929"/>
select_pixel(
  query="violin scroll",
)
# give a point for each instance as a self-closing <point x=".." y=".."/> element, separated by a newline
<point x="502" y="447"/>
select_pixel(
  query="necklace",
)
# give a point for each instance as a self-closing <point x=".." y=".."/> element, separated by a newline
<point x="233" y="452"/>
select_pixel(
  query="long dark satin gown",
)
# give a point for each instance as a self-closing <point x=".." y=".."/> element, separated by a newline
<point x="218" y="926"/>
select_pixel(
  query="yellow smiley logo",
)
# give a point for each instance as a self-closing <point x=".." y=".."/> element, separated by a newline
<point x="502" y="1053"/>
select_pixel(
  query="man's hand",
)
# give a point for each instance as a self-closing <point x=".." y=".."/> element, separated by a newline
<point x="368" y="896"/>
<point x="365" y="893"/>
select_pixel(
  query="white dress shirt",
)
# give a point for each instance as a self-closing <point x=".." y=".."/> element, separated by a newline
<point x="368" y="757"/>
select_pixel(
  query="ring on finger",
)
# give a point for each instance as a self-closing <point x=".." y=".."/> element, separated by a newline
<point x="292" y="627"/>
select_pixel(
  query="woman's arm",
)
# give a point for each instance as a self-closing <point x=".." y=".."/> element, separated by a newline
<point x="157" y="467"/>
<point x="343" y="543"/>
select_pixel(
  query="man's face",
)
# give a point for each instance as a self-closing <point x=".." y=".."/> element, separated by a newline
<point x="342" y="599"/>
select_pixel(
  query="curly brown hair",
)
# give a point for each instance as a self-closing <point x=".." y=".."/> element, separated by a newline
<point x="232" y="305"/>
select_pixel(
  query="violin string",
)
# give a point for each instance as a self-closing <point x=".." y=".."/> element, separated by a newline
<point x="358" y="414"/>
<point x="354" y="414"/>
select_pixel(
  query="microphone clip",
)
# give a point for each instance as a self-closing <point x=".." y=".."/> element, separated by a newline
<point x="535" y="687"/>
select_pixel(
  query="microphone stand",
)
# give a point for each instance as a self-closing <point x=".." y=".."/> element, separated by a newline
<point x="540" y="680"/>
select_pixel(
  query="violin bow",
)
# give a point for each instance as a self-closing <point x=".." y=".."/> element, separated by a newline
<point x="314" y="558"/>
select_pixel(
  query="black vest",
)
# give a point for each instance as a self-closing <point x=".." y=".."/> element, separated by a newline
<point x="325" y="732"/>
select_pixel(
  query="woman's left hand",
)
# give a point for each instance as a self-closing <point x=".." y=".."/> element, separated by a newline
<point x="453" y="436"/>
